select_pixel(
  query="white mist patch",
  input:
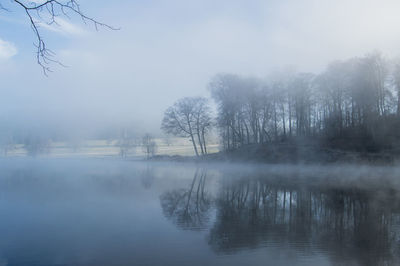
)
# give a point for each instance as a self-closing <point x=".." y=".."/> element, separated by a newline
<point x="7" y="49"/>
<point x="62" y="26"/>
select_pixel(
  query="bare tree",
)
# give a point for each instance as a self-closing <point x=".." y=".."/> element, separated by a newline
<point x="396" y="79"/>
<point x="7" y="144"/>
<point x="47" y="11"/>
<point x="35" y="145"/>
<point x="74" y="142"/>
<point x="167" y="140"/>
<point x="188" y="117"/>
<point x="243" y="109"/>
<point x="149" y="146"/>
<point x="179" y="120"/>
<point x="203" y="122"/>
<point x="126" y="142"/>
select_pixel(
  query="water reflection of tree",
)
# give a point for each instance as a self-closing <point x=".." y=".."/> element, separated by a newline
<point x="189" y="208"/>
<point x="148" y="176"/>
<point x="348" y="222"/>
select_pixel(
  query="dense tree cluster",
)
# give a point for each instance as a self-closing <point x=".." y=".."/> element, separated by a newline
<point x="353" y="104"/>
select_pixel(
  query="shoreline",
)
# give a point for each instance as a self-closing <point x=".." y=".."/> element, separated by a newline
<point x="290" y="155"/>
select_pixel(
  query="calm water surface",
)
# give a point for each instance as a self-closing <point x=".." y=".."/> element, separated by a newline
<point x="109" y="212"/>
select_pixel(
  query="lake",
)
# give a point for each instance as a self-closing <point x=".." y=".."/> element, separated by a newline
<point x="114" y="212"/>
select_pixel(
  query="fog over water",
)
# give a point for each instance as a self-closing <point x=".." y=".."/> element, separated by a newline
<point x="105" y="212"/>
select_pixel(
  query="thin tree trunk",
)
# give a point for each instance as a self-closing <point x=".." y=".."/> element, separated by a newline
<point x="204" y="141"/>
<point x="192" y="137"/>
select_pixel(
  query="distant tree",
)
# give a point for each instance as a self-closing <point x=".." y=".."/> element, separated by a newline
<point x="75" y="143"/>
<point x="188" y="117"/>
<point x="126" y="142"/>
<point x="302" y="91"/>
<point x="244" y="108"/>
<point x="7" y="144"/>
<point x="36" y="145"/>
<point x="149" y="146"/>
<point x="396" y="81"/>
<point x="167" y="140"/>
<point x="47" y="12"/>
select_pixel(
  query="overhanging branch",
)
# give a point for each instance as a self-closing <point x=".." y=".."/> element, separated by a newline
<point x="47" y="12"/>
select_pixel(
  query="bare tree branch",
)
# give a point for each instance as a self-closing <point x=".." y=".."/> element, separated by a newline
<point x="3" y="8"/>
<point x="47" y="12"/>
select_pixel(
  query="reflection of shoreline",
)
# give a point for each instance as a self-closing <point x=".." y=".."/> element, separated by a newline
<point x="287" y="154"/>
<point x="347" y="222"/>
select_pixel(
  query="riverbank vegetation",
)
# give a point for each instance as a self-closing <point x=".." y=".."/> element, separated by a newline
<point x="352" y="106"/>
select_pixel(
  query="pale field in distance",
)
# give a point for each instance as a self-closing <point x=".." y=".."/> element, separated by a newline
<point x="105" y="148"/>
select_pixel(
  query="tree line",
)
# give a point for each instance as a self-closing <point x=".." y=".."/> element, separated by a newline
<point x="353" y="104"/>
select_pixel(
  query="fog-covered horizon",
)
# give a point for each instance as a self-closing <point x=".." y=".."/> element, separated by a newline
<point x="166" y="50"/>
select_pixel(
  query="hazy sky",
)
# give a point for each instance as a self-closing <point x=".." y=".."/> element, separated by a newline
<point x="169" y="49"/>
